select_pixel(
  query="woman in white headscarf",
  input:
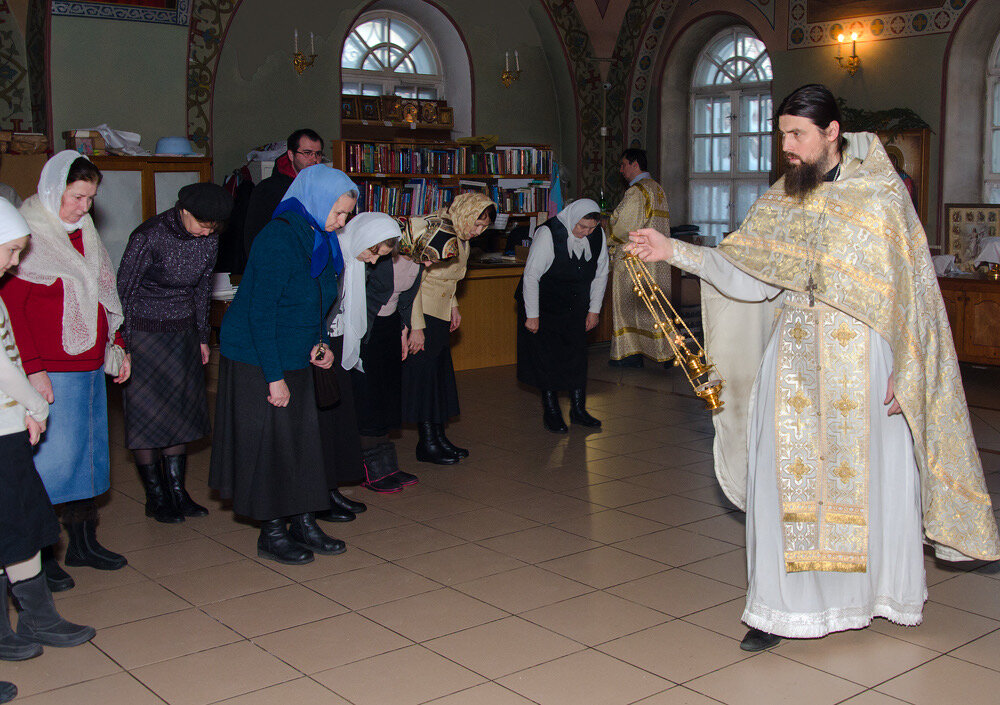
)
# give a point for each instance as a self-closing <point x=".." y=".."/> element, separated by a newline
<point x="559" y="299"/>
<point x="65" y="313"/>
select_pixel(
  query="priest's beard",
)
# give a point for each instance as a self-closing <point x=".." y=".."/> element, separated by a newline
<point x="804" y="178"/>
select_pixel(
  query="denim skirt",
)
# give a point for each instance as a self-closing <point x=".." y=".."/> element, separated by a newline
<point x="72" y="457"/>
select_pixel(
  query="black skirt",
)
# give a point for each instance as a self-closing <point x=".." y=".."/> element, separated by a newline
<point x="164" y="399"/>
<point x="377" y="397"/>
<point x="267" y="460"/>
<point x="27" y="521"/>
<point x="554" y="358"/>
<point x="430" y="393"/>
<point x="338" y="430"/>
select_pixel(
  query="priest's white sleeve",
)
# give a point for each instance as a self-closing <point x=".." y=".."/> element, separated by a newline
<point x="708" y="264"/>
<point x="540" y="258"/>
<point x="600" y="282"/>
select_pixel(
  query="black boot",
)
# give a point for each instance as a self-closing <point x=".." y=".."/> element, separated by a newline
<point x="552" y="414"/>
<point x="756" y="640"/>
<point x="83" y="548"/>
<point x="341" y="502"/>
<point x="174" y="469"/>
<point x="159" y="504"/>
<point x="379" y="475"/>
<point x="8" y="691"/>
<point x="304" y="531"/>
<point x="337" y="511"/>
<point x="276" y="544"/>
<point x="57" y="578"/>
<point x="449" y="447"/>
<point x="38" y="620"/>
<point x="429" y="448"/>
<point x="578" y="409"/>
<point x="12" y="646"/>
<point x="405" y="479"/>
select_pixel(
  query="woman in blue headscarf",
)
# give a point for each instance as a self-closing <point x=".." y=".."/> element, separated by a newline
<point x="266" y="452"/>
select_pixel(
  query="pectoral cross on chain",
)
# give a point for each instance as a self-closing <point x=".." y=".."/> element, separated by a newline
<point x="810" y="288"/>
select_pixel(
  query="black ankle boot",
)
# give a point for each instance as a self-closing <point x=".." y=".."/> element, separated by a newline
<point x="578" y="410"/>
<point x="275" y="543"/>
<point x="757" y="640"/>
<point x="84" y="549"/>
<point x="12" y="646"/>
<point x="57" y="578"/>
<point x="304" y="531"/>
<point x="38" y="620"/>
<point x="338" y="510"/>
<point x="429" y="448"/>
<point x="341" y="502"/>
<point x="448" y="446"/>
<point x="405" y="479"/>
<point x="552" y="414"/>
<point x="8" y="691"/>
<point x="159" y="504"/>
<point x="175" y="469"/>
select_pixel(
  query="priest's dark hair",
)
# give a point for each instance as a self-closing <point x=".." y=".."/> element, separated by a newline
<point x="815" y="102"/>
<point x="293" y="139"/>
<point x="633" y="154"/>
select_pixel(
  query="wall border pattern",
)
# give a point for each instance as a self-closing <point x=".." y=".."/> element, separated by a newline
<point x="766" y="8"/>
<point x="209" y="23"/>
<point x="641" y="82"/>
<point x="177" y="15"/>
<point x="803" y="34"/>
<point x="14" y="91"/>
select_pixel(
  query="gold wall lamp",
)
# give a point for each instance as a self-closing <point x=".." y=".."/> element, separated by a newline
<point x="299" y="60"/>
<point x="852" y="62"/>
<point x="507" y="77"/>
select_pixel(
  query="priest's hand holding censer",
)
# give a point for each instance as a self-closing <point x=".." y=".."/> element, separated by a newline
<point x="648" y="245"/>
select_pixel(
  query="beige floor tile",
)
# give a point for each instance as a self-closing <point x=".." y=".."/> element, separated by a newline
<point x="945" y="680"/>
<point x="730" y="528"/>
<point x="117" y="689"/>
<point x="939" y="571"/>
<point x="944" y="628"/>
<point x="603" y="567"/>
<point x="523" y="589"/>
<point x="712" y="494"/>
<point x="622" y="466"/>
<point x="120" y="605"/>
<point x="90" y="580"/>
<point x="374" y="519"/>
<point x="162" y="638"/>
<point x="58" y="668"/>
<point x="404" y="541"/>
<point x="628" y="442"/>
<point x="120" y="510"/>
<point x="675" y="547"/>
<point x="214" y="675"/>
<point x="433" y="614"/>
<point x="180" y="557"/>
<point x="677" y="592"/>
<point x="584" y="677"/>
<point x="481" y="524"/>
<point x="575" y="453"/>
<point x="768" y="679"/>
<point x="539" y="544"/>
<point x="672" y="480"/>
<point x="983" y="652"/>
<point x="609" y="526"/>
<point x="223" y="582"/>
<point x="332" y="642"/>
<point x="302" y="690"/>
<point x="872" y="697"/>
<point x="405" y="677"/>
<point x="678" y="695"/>
<point x="485" y="694"/>
<point x="860" y="655"/>
<point x="566" y="478"/>
<point x="970" y="592"/>
<point x="671" y="456"/>
<point x="366" y="587"/>
<point x="595" y="618"/>
<point x="460" y="564"/>
<point x="145" y="534"/>
<point x="273" y="610"/>
<point x="729" y="568"/>
<point x="723" y="619"/>
<point x="546" y="508"/>
<point x="616" y="493"/>
<point x="430" y="505"/>
<point x="504" y="646"/>
<point x="673" y="510"/>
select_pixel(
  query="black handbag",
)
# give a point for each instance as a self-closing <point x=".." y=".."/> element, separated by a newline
<point x="325" y="382"/>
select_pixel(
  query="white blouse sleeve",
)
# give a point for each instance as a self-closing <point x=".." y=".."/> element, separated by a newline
<point x="708" y="264"/>
<point x="600" y="282"/>
<point x="540" y="258"/>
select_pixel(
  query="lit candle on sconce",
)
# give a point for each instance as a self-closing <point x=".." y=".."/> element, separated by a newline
<point x="840" y="44"/>
<point x="517" y="61"/>
<point x="296" y="35"/>
<point x="854" y="43"/>
<point x="506" y="60"/>
<point x="312" y="44"/>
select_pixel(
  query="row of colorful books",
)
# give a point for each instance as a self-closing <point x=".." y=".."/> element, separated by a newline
<point x="388" y="158"/>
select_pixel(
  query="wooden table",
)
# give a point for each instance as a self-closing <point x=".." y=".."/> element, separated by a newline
<point x="973" y="305"/>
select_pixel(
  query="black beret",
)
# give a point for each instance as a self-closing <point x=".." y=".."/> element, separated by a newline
<point x="208" y="203"/>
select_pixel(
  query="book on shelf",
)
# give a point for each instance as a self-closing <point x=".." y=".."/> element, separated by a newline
<point x="398" y="198"/>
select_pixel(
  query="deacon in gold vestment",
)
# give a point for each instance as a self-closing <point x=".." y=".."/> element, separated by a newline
<point x="643" y="206"/>
<point x="823" y="314"/>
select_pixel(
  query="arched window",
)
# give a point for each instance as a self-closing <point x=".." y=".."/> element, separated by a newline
<point x="730" y="130"/>
<point x="387" y="53"/>
<point x="991" y="149"/>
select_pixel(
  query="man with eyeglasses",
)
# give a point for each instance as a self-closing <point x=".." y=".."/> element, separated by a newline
<point x="305" y="148"/>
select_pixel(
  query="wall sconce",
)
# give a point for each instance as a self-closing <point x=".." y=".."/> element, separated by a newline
<point x="507" y="77"/>
<point x="852" y="62"/>
<point x="299" y="60"/>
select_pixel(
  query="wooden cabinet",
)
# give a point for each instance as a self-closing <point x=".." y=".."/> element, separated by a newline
<point x="488" y="334"/>
<point x="973" y="307"/>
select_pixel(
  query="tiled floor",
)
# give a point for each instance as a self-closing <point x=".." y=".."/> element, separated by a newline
<point x="588" y="569"/>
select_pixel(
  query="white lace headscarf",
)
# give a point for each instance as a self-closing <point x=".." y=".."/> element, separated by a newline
<point x="88" y="280"/>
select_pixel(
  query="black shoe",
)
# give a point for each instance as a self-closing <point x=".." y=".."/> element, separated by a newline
<point x="429" y="449"/>
<point x="336" y="514"/>
<point x="405" y="479"/>
<point x="84" y="549"/>
<point x="38" y="620"/>
<point x="449" y="447"/>
<point x="175" y="469"/>
<point x="630" y="361"/>
<point x="578" y="410"/>
<point x="387" y="485"/>
<point x="57" y="578"/>
<point x="12" y="646"/>
<point x="159" y="503"/>
<point x="303" y="530"/>
<point x="276" y="544"/>
<point x="8" y="691"/>
<point x="756" y="640"/>
<point x="551" y="413"/>
<point x="349" y="505"/>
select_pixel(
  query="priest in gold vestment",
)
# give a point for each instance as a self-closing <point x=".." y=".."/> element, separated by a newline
<point x="644" y="205"/>
<point x="846" y="434"/>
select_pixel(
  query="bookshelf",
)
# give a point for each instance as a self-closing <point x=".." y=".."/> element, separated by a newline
<point x="417" y="176"/>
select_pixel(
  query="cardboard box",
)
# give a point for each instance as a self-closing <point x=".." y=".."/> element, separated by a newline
<point x="28" y="143"/>
<point x="87" y="142"/>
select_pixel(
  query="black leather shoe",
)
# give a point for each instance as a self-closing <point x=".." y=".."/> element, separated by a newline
<point x="303" y="530"/>
<point x="578" y="410"/>
<point x="756" y="640"/>
<point x="552" y="414"/>
<point x="336" y="514"/>
<point x="8" y="691"/>
<point x="449" y="447"/>
<point x="429" y="449"/>
<point x="84" y="549"/>
<point x="346" y="504"/>
<point x="274" y="543"/>
<point x="159" y="503"/>
<point x="175" y="469"/>
<point x="57" y="578"/>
